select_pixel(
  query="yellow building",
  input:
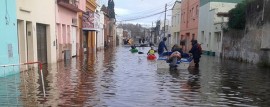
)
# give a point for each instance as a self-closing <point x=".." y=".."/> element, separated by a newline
<point x="88" y="34"/>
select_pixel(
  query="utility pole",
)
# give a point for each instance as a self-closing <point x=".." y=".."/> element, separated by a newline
<point x="151" y="40"/>
<point x="165" y="20"/>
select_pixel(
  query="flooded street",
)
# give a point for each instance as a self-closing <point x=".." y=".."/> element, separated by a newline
<point x="118" y="78"/>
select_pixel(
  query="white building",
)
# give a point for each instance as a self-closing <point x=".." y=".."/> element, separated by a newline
<point x="176" y="18"/>
<point x="167" y="32"/>
<point x="119" y="34"/>
<point x="210" y="31"/>
<point x="36" y="30"/>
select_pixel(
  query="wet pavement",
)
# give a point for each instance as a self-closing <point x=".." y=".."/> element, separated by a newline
<point x="118" y="78"/>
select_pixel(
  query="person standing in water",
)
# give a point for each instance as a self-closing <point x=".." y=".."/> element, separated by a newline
<point x="196" y="52"/>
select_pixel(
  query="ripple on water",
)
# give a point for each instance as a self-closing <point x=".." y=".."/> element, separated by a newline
<point x="117" y="78"/>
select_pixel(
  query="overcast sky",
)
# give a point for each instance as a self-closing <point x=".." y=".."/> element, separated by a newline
<point x="133" y="9"/>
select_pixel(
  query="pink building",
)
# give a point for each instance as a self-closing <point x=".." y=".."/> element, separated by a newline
<point x="67" y="31"/>
<point x="189" y="22"/>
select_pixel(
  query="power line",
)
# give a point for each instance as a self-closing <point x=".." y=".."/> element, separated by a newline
<point x="139" y="17"/>
<point x="143" y="16"/>
<point x="147" y="11"/>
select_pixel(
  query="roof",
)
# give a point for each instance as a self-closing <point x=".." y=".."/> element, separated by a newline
<point x="203" y="2"/>
<point x="175" y="3"/>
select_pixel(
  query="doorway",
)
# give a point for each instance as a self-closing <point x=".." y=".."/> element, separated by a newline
<point x="41" y="43"/>
<point x="73" y="41"/>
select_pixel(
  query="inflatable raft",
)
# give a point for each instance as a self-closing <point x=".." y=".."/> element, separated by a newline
<point x="151" y="57"/>
<point x="134" y="50"/>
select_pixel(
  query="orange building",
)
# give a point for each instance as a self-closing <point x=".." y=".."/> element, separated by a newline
<point x="189" y="22"/>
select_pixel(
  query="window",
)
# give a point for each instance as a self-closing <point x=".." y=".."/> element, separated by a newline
<point x="178" y="20"/>
<point x="197" y="10"/>
<point x="202" y="37"/>
<point x="182" y="17"/>
<point x="193" y="13"/>
<point x="172" y="21"/>
<point x="190" y="14"/>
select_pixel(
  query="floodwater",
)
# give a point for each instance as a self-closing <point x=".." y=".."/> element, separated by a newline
<point x="118" y="78"/>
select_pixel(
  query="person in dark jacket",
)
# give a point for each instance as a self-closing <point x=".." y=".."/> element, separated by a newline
<point x="195" y="52"/>
<point x="161" y="46"/>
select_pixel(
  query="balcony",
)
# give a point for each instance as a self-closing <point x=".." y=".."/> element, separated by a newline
<point x="70" y="4"/>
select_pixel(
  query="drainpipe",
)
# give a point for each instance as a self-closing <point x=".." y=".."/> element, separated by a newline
<point x="262" y="22"/>
<point x="263" y="10"/>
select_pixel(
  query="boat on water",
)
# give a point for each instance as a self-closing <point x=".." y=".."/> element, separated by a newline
<point x="183" y="63"/>
<point x="134" y="50"/>
<point x="151" y="57"/>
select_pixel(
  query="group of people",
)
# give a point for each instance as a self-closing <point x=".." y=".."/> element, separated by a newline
<point x="141" y="41"/>
<point x="177" y="52"/>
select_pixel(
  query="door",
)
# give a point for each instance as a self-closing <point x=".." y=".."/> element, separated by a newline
<point x="73" y="41"/>
<point x="218" y="41"/>
<point x="41" y="43"/>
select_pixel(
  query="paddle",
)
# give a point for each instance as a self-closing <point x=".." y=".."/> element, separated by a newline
<point x="140" y="53"/>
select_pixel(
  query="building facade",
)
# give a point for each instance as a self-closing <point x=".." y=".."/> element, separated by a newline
<point x="9" y="43"/>
<point x="104" y="9"/>
<point x="100" y="32"/>
<point x="67" y="30"/>
<point x="211" y="24"/>
<point x="36" y="30"/>
<point x="89" y="26"/>
<point x="176" y="19"/>
<point x="189" y="22"/>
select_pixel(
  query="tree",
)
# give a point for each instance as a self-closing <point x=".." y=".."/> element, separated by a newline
<point x="111" y="9"/>
<point x="237" y="16"/>
<point x="136" y="30"/>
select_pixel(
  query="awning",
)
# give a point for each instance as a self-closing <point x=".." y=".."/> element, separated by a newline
<point x="90" y="29"/>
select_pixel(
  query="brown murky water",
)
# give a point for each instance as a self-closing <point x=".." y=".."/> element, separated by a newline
<point x="117" y="78"/>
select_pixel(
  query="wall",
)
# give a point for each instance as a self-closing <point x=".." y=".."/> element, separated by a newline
<point x="33" y="12"/>
<point x="210" y="31"/>
<point x="248" y="45"/>
<point x="9" y="42"/>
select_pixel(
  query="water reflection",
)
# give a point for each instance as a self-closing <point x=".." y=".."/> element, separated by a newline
<point x="115" y="77"/>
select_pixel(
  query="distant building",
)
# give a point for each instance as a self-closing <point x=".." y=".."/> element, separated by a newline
<point x="165" y="33"/>
<point x="119" y="36"/>
<point x="106" y="25"/>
